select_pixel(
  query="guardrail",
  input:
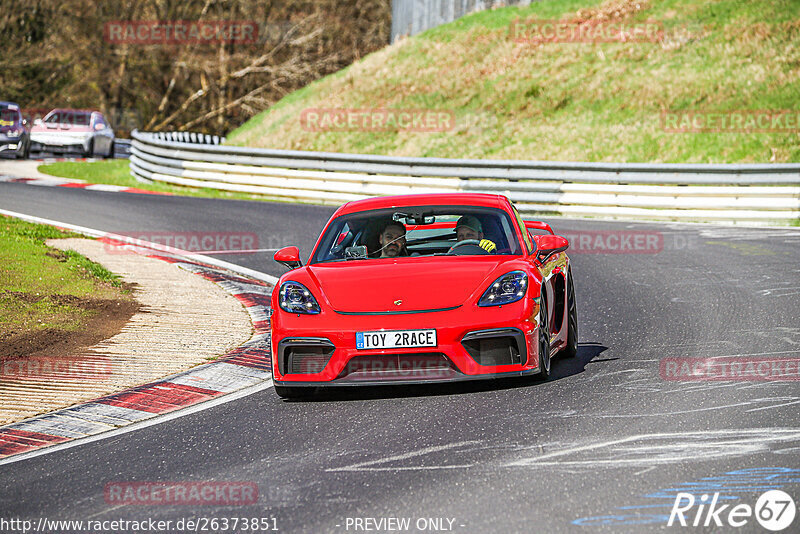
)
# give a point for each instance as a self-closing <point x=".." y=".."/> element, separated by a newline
<point x="410" y="17"/>
<point x="754" y="193"/>
<point x="122" y="148"/>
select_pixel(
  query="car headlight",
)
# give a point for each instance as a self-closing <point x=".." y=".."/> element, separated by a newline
<point x="294" y="297"/>
<point x="508" y="288"/>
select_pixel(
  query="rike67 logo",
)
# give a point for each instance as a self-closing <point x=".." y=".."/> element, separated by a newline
<point x="774" y="510"/>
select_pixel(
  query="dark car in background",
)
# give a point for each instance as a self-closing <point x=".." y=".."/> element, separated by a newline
<point x="73" y="131"/>
<point x="14" y="136"/>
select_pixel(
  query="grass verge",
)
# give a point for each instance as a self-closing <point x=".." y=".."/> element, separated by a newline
<point x="46" y="294"/>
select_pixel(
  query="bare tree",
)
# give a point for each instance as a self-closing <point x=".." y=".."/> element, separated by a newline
<point x="66" y="58"/>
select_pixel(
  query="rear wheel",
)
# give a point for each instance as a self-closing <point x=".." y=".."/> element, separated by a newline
<point x="571" y="350"/>
<point x="544" y="341"/>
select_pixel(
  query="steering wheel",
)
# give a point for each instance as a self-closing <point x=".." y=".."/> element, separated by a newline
<point x="474" y="248"/>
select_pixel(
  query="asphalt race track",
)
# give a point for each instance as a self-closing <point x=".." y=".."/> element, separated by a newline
<point x="602" y="446"/>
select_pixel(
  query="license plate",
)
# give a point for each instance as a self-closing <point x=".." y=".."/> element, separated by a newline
<point x="395" y="339"/>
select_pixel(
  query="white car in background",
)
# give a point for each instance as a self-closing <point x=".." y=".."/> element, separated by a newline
<point x="73" y="131"/>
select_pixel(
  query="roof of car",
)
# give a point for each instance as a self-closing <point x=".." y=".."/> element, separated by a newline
<point x="74" y="110"/>
<point x="433" y="199"/>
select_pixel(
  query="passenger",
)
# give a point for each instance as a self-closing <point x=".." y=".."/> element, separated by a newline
<point x="469" y="227"/>
<point x="393" y="240"/>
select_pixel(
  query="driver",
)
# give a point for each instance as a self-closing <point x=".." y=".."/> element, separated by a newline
<point x="469" y="227"/>
<point x="393" y="240"/>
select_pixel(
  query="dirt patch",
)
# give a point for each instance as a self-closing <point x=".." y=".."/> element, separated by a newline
<point x="57" y="254"/>
<point x="109" y="316"/>
<point x="182" y="320"/>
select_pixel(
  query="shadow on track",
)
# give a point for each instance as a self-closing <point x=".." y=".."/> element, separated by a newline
<point x="561" y="368"/>
<point x="587" y="352"/>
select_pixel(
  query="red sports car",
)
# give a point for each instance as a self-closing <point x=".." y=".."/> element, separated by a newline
<point x="423" y="288"/>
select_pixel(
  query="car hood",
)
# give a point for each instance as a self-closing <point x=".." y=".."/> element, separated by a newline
<point x="60" y="128"/>
<point x="419" y="283"/>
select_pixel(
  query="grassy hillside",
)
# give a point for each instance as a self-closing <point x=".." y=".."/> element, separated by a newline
<point x="567" y="101"/>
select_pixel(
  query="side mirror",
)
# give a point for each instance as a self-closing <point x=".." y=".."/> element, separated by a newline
<point x="359" y="252"/>
<point x="547" y="245"/>
<point x="38" y="122"/>
<point x="289" y="256"/>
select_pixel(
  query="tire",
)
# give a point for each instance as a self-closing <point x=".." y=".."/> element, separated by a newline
<point x="90" y="150"/>
<point x="26" y="149"/>
<point x="571" y="350"/>
<point x="110" y="150"/>
<point x="544" y="342"/>
<point x="292" y="392"/>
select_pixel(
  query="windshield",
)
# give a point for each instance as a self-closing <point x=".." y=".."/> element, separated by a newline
<point x="9" y="116"/>
<point x="73" y="118"/>
<point x="418" y="231"/>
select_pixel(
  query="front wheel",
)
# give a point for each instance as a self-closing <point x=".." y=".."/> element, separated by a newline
<point x="571" y="350"/>
<point x="544" y="342"/>
<point x="90" y="149"/>
<point x="26" y="151"/>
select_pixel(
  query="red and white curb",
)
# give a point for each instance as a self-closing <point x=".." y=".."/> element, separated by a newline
<point x="244" y="367"/>
<point x="59" y="182"/>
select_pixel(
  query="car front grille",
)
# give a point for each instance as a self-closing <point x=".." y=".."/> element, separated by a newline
<point x="399" y="367"/>
<point x="304" y="355"/>
<point x="503" y="346"/>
